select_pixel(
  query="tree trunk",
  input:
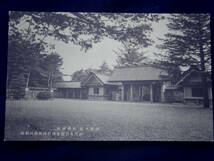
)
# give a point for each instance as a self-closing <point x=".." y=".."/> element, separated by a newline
<point x="205" y="91"/>
<point x="50" y="80"/>
<point x="204" y="79"/>
<point x="28" y="79"/>
<point x="203" y="75"/>
<point x="49" y="77"/>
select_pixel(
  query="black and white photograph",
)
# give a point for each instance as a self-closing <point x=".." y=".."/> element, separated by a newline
<point x="100" y="76"/>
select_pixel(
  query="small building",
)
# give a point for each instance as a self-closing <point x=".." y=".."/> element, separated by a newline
<point x="98" y="87"/>
<point x="141" y="83"/>
<point x="191" y="85"/>
<point x="137" y="84"/>
<point x="68" y="89"/>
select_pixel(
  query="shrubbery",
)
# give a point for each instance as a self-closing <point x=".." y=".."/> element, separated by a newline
<point x="18" y="93"/>
<point x="43" y="95"/>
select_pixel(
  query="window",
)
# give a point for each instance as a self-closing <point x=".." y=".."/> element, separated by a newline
<point x="96" y="90"/>
<point x="197" y="92"/>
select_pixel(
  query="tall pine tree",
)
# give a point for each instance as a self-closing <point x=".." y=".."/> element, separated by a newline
<point x="129" y="55"/>
<point x="188" y="43"/>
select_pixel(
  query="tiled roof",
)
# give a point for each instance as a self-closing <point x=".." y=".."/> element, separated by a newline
<point x="141" y="73"/>
<point x="67" y="84"/>
<point x="188" y="73"/>
<point x="104" y="79"/>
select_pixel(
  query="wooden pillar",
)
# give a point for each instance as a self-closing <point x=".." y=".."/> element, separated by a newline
<point x="80" y="93"/>
<point x="73" y="92"/>
<point x="162" y="92"/>
<point x="131" y="92"/>
<point x="141" y="94"/>
<point x="138" y="93"/>
<point x="151" y="92"/>
<point x="122" y="93"/>
<point x="185" y="94"/>
<point x="67" y="94"/>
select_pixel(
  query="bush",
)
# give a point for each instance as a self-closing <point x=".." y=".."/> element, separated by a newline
<point x="43" y="95"/>
<point x="18" y="93"/>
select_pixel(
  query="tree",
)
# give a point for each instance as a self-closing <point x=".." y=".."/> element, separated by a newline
<point x="34" y="29"/>
<point x="104" y="68"/>
<point x="174" y="70"/>
<point x="129" y="55"/>
<point x="188" y="43"/>
<point x="25" y="57"/>
<point x="83" y="29"/>
<point x="80" y="75"/>
<point x="22" y="59"/>
<point x="50" y="65"/>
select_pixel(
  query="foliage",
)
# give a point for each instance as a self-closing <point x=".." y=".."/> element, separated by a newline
<point x="22" y="57"/>
<point x="129" y="55"/>
<point x="188" y="43"/>
<point x="82" y="75"/>
<point x="104" y="68"/>
<point x="51" y="64"/>
<point x="17" y="86"/>
<point x="27" y="62"/>
<point x="29" y="32"/>
<point x="84" y="29"/>
<point x="174" y="71"/>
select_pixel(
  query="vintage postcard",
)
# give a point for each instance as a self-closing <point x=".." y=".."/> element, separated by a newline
<point x="108" y="77"/>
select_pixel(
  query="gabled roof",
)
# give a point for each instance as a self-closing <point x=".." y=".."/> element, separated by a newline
<point x="102" y="78"/>
<point x="189" y="73"/>
<point x="67" y="84"/>
<point x="140" y="73"/>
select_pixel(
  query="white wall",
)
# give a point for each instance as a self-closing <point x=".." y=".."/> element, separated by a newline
<point x="187" y="92"/>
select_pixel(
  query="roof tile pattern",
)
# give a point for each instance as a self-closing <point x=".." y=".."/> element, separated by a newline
<point x="142" y="73"/>
<point x="67" y="84"/>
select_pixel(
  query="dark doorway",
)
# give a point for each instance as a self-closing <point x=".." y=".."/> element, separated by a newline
<point x="144" y="93"/>
<point x="156" y="93"/>
<point x="126" y="92"/>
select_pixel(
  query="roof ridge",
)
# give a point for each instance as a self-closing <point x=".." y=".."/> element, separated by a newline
<point x="137" y="66"/>
<point x="65" y="81"/>
<point x="104" y="74"/>
<point x="143" y="72"/>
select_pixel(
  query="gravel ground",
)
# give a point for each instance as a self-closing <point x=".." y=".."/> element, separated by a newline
<point x="66" y="119"/>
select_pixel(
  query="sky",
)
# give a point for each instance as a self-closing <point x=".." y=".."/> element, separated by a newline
<point x="74" y="59"/>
